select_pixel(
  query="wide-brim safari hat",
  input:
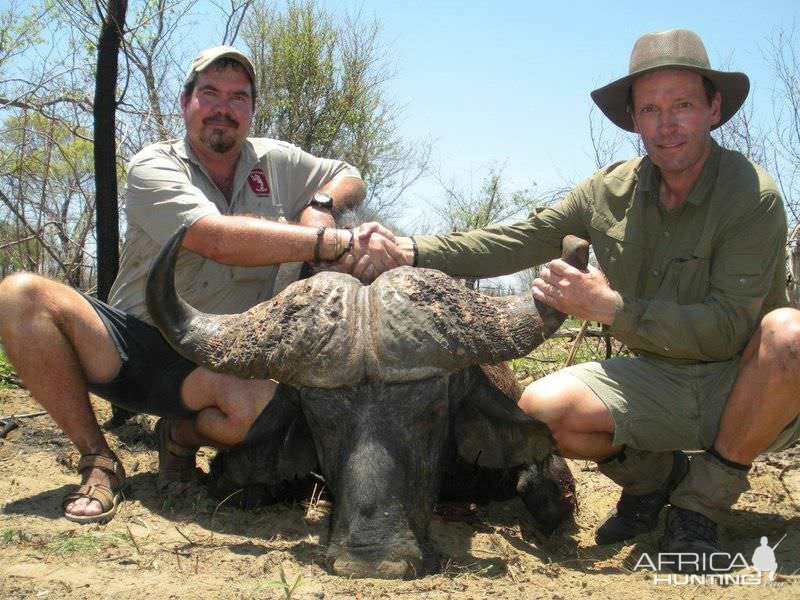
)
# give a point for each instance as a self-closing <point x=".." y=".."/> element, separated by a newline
<point x="673" y="49"/>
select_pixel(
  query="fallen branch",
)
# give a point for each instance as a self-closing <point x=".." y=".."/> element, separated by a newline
<point x="574" y="350"/>
<point x="10" y="422"/>
<point x="572" y="332"/>
<point x="29" y="415"/>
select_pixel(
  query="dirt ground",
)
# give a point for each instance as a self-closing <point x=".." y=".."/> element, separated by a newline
<point x="193" y="547"/>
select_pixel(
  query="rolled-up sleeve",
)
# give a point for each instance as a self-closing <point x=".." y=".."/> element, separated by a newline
<point x="306" y="173"/>
<point x="160" y="198"/>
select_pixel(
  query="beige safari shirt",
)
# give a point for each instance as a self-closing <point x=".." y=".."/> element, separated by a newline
<point x="168" y="187"/>
<point x="695" y="281"/>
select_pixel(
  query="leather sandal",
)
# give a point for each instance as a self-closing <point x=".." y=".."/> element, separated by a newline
<point x="108" y="497"/>
<point x="176" y="463"/>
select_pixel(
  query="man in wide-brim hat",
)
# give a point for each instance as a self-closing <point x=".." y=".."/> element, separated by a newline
<point x="690" y="242"/>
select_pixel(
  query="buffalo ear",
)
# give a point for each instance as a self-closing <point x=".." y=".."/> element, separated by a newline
<point x="490" y="429"/>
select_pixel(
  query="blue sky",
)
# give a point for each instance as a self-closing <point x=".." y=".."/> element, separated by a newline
<point x="509" y="82"/>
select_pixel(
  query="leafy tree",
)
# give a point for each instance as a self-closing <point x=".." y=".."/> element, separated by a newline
<point x="466" y="208"/>
<point x="784" y="140"/>
<point x="45" y="186"/>
<point x="321" y="87"/>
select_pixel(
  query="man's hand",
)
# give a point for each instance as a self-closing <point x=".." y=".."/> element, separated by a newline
<point x="585" y="295"/>
<point x="375" y="250"/>
<point x="372" y="254"/>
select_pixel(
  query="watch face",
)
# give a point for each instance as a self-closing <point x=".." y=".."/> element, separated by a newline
<point x="322" y="200"/>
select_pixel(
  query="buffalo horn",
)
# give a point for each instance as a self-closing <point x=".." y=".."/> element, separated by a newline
<point x="329" y="331"/>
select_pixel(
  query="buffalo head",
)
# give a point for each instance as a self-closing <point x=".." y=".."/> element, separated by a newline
<point x="386" y="395"/>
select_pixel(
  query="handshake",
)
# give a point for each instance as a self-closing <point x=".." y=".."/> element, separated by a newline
<point x="364" y="252"/>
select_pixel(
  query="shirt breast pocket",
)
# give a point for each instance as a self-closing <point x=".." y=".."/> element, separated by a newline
<point x="745" y="273"/>
<point x="689" y="278"/>
<point x="617" y="247"/>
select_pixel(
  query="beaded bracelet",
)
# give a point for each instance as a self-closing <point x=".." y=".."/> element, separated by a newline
<point x="318" y="245"/>
<point x="348" y="247"/>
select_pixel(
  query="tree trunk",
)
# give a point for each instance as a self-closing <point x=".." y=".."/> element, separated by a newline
<point x="793" y="284"/>
<point x="105" y="147"/>
<point x="105" y="159"/>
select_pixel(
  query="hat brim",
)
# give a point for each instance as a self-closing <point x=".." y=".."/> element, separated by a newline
<point x="612" y="98"/>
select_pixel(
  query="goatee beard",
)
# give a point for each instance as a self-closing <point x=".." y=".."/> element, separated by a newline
<point x="217" y="142"/>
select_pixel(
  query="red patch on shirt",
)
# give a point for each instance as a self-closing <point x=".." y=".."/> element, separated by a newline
<point x="258" y="182"/>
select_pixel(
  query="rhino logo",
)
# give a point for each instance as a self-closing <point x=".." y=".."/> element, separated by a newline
<point x="258" y="182"/>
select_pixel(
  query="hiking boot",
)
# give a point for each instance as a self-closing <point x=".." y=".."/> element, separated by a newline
<point x="694" y="536"/>
<point x="638" y="514"/>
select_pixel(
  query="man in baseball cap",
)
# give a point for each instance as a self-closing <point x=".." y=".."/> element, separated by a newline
<point x="210" y="55"/>
<point x="690" y="241"/>
<point x="249" y="204"/>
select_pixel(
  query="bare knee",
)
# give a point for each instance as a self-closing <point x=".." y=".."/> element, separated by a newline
<point x="544" y="401"/>
<point x="566" y="405"/>
<point x="21" y="293"/>
<point x="555" y="399"/>
<point x="778" y="339"/>
<point x="24" y="298"/>
<point x="238" y="401"/>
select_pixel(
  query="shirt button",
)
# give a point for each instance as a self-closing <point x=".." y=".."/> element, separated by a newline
<point x="666" y="348"/>
<point x="666" y="234"/>
<point x="655" y="272"/>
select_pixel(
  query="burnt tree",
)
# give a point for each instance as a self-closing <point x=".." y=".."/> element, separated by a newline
<point x="105" y="146"/>
<point x="105" y="156"/>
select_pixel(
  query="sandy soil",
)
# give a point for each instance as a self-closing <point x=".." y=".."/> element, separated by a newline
<point x="192" y="547"/>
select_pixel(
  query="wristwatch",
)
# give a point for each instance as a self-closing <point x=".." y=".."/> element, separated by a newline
<point x="321" y="200"/>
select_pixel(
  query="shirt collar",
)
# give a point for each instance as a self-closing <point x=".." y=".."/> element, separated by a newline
<point x="650" y="177"/>
<point x="248" y="158"/>
<point x="705" y="183"/>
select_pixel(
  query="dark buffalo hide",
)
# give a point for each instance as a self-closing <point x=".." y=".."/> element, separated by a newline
<point x="381" y="395"/>
<point x="388" y="452"/>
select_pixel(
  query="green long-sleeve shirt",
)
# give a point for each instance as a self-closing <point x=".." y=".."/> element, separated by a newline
<point x="695" y="281"/>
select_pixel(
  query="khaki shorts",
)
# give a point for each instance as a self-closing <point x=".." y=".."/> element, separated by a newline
<point x="660" y="406"/>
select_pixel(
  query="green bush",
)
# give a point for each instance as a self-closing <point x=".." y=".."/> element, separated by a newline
<point x="8" y="376"/>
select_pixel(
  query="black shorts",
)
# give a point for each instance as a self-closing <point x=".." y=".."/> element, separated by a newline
<point x="152" y="372"/>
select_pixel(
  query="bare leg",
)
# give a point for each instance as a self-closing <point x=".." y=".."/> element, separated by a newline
<point x="228" y="407"/>
<point x="57" y="343"/>
<point x="580" y="422"/>
<point x="766" y="395"/>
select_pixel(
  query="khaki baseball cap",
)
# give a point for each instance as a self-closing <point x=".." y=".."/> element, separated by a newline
<point x="209" y="55"/>
<point x="672" y="49"/>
